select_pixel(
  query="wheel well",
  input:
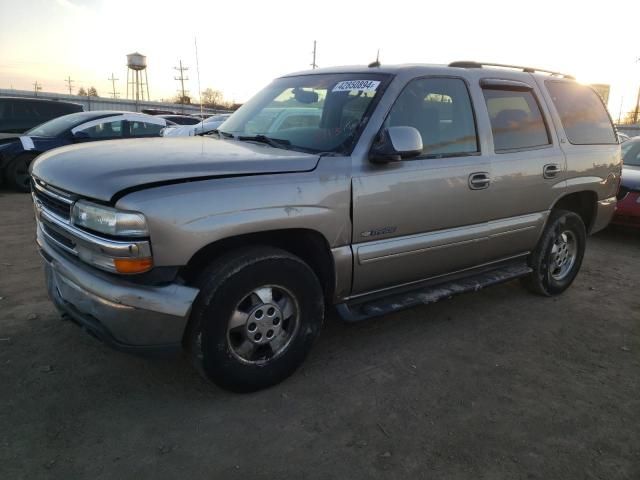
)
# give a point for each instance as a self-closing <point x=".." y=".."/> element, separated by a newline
<point x="582" y="203"/>
<point x="308" y="245"/>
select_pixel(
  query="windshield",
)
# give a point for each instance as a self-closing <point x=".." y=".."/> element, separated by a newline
<point x="314" y="113"/>
<point x="631" y="153"/>
<point x="59" y="125"/>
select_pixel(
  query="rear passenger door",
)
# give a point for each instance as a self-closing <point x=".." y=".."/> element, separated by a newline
<point x="425" y="216"/>
<point x="528" y="166"/>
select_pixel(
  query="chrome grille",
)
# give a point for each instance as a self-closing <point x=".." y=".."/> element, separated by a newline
<point x="52" y="202"/>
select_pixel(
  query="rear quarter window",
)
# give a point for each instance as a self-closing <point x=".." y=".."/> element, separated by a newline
<point x="582" y="113"/>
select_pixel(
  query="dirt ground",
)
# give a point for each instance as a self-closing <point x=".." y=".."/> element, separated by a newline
<point x="497" y="384"/>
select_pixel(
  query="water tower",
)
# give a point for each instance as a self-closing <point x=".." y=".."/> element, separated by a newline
<point x="136" y="67"/>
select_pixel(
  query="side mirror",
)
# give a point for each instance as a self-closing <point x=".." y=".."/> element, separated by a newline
<point x="395" y="144"/>
<point x="79" y="136"/>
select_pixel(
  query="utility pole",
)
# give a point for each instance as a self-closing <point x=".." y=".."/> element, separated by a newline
<point x="69" y="84"/>
<point x="313" y="64"/>
<point x="113" y="81"/>
<point x="36" y="88"/>
<point x="181" y="79"/>
<point x="635" y="114"/>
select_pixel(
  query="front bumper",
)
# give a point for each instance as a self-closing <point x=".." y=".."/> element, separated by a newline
<point x="628" y="212"/>
<point x="125" y="315"/>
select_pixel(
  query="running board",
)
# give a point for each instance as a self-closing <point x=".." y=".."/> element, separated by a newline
<point x="355" y="310"/>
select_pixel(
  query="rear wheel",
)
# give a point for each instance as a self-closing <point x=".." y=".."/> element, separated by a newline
<point x="256" y="317"/>
<point x="558" y="256"/>
<point x="17" y="173"/>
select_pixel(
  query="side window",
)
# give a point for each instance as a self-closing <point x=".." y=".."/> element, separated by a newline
<point x="144" y="129"/>
<point x="583" y="115"/>
<point x="516" y="119"/>
<point x="24" y="111"/>
<point x="440" y="109"/>
<point x="105" y="130"/>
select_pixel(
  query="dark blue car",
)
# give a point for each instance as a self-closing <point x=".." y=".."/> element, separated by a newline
<point x="17" y="151"/>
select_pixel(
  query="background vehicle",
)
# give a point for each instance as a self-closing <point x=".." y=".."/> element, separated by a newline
<point x="18" y="151"/>
<point x="18" y="115"/>
<point x="181" y="119"/>
<point x="407" y="184"/>
<point x="628" y="211"/>
<point x="199" y="128"/>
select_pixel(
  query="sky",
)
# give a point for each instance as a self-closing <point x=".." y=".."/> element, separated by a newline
<point x="242" y="45"/>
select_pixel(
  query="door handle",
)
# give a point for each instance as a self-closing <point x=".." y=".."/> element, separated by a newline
<point x="550" y="170"/>
<point x="479" y="180"/>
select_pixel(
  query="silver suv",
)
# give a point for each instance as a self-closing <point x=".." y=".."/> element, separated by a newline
<point x="384" y="188"/>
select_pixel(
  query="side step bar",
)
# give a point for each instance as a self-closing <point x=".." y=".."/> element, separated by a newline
<point x="362" y="309"/>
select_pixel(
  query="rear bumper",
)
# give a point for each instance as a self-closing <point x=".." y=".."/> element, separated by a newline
<point x="604" y="213"/>
<point x="127" y="316"/>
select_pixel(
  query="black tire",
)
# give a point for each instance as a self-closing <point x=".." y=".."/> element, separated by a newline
<point x="228" y="282"/>
<point x="17" y="172"/>
<point x="546" y="278"/>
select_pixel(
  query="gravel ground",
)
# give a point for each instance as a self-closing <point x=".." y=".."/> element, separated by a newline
<point x="497" y="384"/>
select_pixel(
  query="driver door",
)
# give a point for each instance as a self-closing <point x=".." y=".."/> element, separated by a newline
<point x="427" y="216"/>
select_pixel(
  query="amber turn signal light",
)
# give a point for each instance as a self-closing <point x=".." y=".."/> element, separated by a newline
<point x="133" y="265"/>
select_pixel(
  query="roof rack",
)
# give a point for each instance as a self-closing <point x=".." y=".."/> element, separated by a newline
<point x="466" y="64"/>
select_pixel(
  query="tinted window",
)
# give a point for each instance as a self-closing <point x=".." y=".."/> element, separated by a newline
<point x="440" y="109"/>
<point x="631" y="153"/>
<point x="583" y="115"/>
<point x="61" y="125"/>
<point x="104" y="130"/>
<point x="143" y="129"/>
<point x="516" y="120"/>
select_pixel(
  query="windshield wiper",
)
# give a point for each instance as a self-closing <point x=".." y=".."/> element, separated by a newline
<point x="272" y="142"/>
<point x="219" y="132"/>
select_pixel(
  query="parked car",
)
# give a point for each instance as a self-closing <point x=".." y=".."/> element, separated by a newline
<point x="181" y="119"/>
<point x="18" y="114"/>
<point x="418" y="183"/>
<point x="201" y="127"/>
<point x="18" y="151"/>
<point x="628" y="211"/>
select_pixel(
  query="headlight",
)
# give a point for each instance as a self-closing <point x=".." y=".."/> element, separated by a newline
<point x="108" y="220"/>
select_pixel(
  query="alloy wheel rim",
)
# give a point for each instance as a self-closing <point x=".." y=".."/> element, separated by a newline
<point x="263" y="324"/>
<point x="563" y="255"/>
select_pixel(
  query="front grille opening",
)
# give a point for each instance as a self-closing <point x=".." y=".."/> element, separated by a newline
<point x="53" y="205"/>
<point x="58" y="237"/>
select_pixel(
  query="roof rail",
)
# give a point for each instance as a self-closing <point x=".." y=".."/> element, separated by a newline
<point x="466" y="64"/>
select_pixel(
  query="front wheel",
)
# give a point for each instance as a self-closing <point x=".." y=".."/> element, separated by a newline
<point x="558" y="256"/>
<point x="18" y="172"/>
<point x="257" y="315"/>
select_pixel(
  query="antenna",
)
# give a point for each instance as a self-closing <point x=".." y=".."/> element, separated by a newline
<point x="314" y="65"/>
<point x="69" y="84"/>
<point x="195" y="41"/>
<point x="36" y="88"/>
<point x="377" y="62"/>
<point x="113" y="81"/>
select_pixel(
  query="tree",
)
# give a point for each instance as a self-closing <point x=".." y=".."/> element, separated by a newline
<point x="211" y="97"/>
<point x="82" y="92"/>
<point x="92" y="92"/>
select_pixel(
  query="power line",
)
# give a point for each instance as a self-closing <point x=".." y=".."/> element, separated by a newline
<point x="69" y="83"/>
<point x="113" y="81"/>
<point x="181" y="79"/>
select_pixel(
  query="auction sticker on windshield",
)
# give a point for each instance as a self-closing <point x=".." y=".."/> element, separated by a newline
<point x="357" y="85"/>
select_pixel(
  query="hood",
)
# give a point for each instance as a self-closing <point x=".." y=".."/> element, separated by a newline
<point x="9" y="137"/>
<point x="631" y="177"/>
<point x="101" y="169"/>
